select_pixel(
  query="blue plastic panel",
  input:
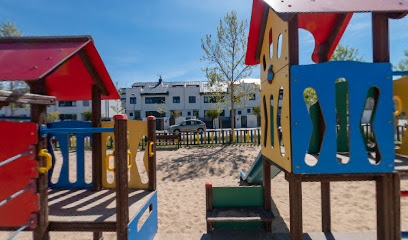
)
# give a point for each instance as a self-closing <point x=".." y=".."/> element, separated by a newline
<point x="149" y="228"/>
<point x="360" y="77"/>
<point x="64" y="142"/>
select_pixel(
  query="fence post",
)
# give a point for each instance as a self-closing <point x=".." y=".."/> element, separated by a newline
<point x="151" y="138"/>
<point x="259" y="137"/>
<point x="222" y="133"/>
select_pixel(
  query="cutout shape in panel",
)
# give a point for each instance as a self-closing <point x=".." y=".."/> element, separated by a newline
<point x="342" y="119"/>
<point x="272" y="122"/>
<point x="265" y="128"/>
<point x="280" y="45"/>
<point x="279" y="129"/>
<point x="368" y="116"/>
<point x="311" y="101"/>
<point x="270" y="44"/>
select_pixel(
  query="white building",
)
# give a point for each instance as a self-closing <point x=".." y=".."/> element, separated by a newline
<point x="68" y="110"/>
<point x="192" y="99"/>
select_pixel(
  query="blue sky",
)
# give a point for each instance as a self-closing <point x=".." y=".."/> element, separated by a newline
<point x="140" y="39"/>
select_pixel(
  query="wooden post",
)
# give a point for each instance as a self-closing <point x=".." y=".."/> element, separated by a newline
<point x="96" y="146"/>
<point x="208" y="202"/>
<point x="295" y="199"/>
<point x="121" y="176"/>
<point x="267" y="190"/>
<point x="39" y="116"/>
<point x="381" y="53"/>
<point x="325" y="186"/>
<point x="151" y="138"/>
<point x="96" y="140"/>
<point x="396" y="204"/>
<point x="326" y="211"/>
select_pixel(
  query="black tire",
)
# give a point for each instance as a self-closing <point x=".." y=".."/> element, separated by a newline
<point x="176" y="131"/>
<point x="200" y="130"/>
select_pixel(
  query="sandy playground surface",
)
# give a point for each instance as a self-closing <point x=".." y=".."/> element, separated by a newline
<point x="181" y="175"/>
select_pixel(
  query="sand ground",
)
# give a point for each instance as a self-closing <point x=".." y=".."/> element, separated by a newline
<point x="181" y="175"/>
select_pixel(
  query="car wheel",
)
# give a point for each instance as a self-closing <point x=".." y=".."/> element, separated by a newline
<point x="176" y="131"/>
<point x="200" y="130"/>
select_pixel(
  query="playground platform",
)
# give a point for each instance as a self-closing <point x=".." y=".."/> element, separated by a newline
<point x="79" y="210"/>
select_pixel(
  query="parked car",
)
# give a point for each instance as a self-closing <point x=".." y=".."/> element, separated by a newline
<point x="192" y="125"/>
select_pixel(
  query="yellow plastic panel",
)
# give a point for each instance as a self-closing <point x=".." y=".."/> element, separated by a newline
<point x="280" y="67"/>
<point x="136" y="131"/>
<point x="401" y="90"/>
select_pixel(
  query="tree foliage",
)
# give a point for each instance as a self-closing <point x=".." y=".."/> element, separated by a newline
<point x="225" y="55"/>
<point x="257" y="111"/>
<point x="346" y="53"/>
<point x="87" y="116"/>
<point x="52" y="117"/>
<point x="213" y="114"/>
<point x="403" y="64"/>
<point x="175" y="113"/>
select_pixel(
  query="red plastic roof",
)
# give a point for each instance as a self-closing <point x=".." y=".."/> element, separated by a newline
<point x="58" y="61"/>
<point x="320" y="25"/>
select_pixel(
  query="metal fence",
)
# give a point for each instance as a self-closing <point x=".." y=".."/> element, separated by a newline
<point x="219" y="137"/>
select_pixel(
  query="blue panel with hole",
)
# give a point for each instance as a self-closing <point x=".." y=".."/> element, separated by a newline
<point x="148" y="229"/>
<point x="360" y="77"/>
<point x="65" y="147"/>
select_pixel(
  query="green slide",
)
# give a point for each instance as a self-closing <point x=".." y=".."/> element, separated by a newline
<point x="255" y="173"/>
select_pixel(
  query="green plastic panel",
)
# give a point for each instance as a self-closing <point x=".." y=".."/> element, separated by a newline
<point x="244" y="196"/>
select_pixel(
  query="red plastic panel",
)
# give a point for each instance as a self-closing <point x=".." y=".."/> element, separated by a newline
<point x="320" y="25"/>
<point x="14" y="176"/>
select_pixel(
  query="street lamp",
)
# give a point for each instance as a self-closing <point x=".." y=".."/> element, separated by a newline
<point x="134" y="106"/>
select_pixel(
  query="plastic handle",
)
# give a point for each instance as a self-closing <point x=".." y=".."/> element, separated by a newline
<point x="151" y="153"/>
<point x="398" y="101"/>
<point x="130" y="160"/>
<point x="48" y="161"/>
<point x="112" y="169"/>
<point x="108" y="156"/>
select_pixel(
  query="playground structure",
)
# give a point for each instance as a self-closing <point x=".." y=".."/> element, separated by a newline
<point x="67" y="69"/>
<point x="290" y="138"/>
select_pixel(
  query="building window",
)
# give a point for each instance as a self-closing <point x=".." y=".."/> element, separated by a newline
<point x="155" y="100"/>
<point x="85" y="103"/>
<point x="188" y="113"/>
<point x="196" y="113"/>
<point x="192" y="99"/>
<point x="253" y="97"/>
<point x="63" y="117"/>
<point x="239" y="112"/>
<point x="137" y="115"/>
<point x="210" y="99"/>
<point x="131" y="114"/>
<point x="222" y="114"/>
<point x="155" y="113"/>
<point x="133" y="100"/>
<point x="66" y="103"/>
<point x="248" y="110"/>
<point x="176" y="99"/>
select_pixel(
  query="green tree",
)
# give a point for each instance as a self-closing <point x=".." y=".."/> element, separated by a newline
<point x="213" y="114"/>
<point x="87" y="116"/>
<point x="225" y="56"/>
<point x="52" y="117"/>
<point x="403" y="64"/>
<point x="346" y="53"/>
